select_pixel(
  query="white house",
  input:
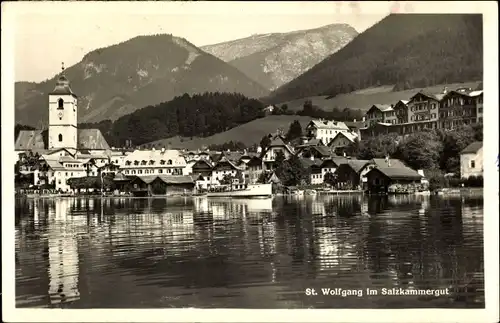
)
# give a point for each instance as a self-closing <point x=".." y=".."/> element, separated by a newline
<point x="471" y="160"/>
<point x="325" y="130"/>
<point x="151" y="162"/>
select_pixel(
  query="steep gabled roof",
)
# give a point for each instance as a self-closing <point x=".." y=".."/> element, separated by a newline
<point x="348" y="135"/>
<point x="91" y="139"/>
<point x="472" y="148"/>
<point x="393" y="163"/>
<point x="30" y="140"/>
<point x="398" y="172"/>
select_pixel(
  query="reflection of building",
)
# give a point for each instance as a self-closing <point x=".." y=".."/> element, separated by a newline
<point x="63" y="255"/>
<point x="267" y="240"/>
<point x="333" y="249"/>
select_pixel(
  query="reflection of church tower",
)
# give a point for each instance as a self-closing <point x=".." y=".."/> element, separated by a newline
<point x="63" y="255"/>
<point x="63" y="132"/>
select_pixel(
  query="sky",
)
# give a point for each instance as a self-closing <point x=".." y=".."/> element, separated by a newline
<point x="46" y="35"/>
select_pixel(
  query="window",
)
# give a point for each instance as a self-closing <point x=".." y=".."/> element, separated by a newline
<point x="169" y="162"/>
<point x="60" y="104"/>
<point x="60" y="137"/>
<point x="160" y="171"/>
<point x="472" y="164"/>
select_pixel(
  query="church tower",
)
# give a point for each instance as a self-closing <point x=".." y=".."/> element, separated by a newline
<point x="63" y="131"/>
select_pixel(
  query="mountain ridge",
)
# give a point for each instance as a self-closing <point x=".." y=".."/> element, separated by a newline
<point x="275" y="58"/>
<point x="145" y="70"/>
<point x="411" y="50"/>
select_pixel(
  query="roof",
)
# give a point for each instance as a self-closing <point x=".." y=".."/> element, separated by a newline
<point x="476" y="93"/>
<point x="357" y="164"/>
<point x="88" y="139"/>
<point x="393" y="163"/>
<point x="233" y="156"/>
<point x="437" y="96"/>
<point x="349" y="135"/>
<point x="338" y="160"/>
<point x="223" y="159"/>
<point x="472" y="148"/>
<point x="178" y="179"/>
<point x="398" y="172"/>
<point x="91" y="139"/>
<point x="328" y="124"/>
<point x="120" y="177"/>
<point x="157" y="155"/>
<point x="54" y="164"/>
<point x="204" y="161"/>
<point x="62" y="87"/>
<point x="30" y="140"/>
<point x="307" y="162"/>
<point x="355" y="124"/>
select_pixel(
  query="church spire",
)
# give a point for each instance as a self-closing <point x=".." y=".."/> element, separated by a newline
<point x="62" y="66"/>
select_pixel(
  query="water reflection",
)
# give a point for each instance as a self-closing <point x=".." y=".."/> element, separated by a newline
<point x="176" y="252"/>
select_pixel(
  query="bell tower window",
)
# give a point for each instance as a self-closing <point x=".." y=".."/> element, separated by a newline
<point x="60" y="104"/>
<point x="60" y="138"/>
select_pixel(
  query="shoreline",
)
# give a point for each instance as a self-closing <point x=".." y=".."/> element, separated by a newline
<point x="441" y="192"/>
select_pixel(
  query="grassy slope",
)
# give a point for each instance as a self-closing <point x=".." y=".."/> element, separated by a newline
<point x="248" y="133"/>
<point x="253" y="131"/>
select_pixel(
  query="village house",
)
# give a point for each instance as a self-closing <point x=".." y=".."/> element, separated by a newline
<point x="325" y="130"/>
<point x="203" y="169"/>
<point x="153" y="162"/>
<point x="305" y="142"/>
<point x="224" y="168"/>
<point x="457" y="108"/>
<point x="380" y="179"/>
<point x="341" y="142"/>
<point x="269" y="154"/>
<point x="423" y="111"/>
<point x="401" y="111"/>
<point x="253" y="170"/>
<point x="380" y="113"/>
<point x="471" y="160"/>
<point x="478" y="100"/>
<point x="314" y="168"/>
<point x="158" y="185"/>
<point x="349" y="174"/>
<point x="316" y="152"/>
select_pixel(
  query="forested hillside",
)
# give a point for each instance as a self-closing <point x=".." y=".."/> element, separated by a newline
<point x="408" y="51"/>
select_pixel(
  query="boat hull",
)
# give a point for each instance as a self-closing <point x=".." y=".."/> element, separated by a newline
<point x="257" y="190"/>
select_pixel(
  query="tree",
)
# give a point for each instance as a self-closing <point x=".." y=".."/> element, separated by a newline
<point x="330" y="178"/>
<point x="454" y="141"/>
<point x="279" y="158"/>
<point x="265" y="142"/>
<point x="420" y="150"/>
<point x="378" y="147"/>
<point x="294" y="131"/>
<point x="291" y="172"/>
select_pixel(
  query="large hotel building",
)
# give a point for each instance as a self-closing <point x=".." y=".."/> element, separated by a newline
<point x="446" y="110"/>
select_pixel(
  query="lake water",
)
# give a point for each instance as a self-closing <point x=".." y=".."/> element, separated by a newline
<point x="206" y="253"/>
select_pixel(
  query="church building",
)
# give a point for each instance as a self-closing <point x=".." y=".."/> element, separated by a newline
<point x="67" y="151"/>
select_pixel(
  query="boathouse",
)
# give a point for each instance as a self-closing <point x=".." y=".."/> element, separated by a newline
<point x="349" y="174"/>
<point x="379" y="179"/>
<point x="163" y="185"/>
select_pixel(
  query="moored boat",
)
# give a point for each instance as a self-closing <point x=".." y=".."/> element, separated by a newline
<point x="242" y="190"/>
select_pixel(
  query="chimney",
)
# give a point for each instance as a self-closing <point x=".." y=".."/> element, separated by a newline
<point x="445" y="90"/>
<point x="153" y="149"/>
<point x="421" y="172"/>
<point x="354" y="120"/>
<point x="364" y="118"/>
<point x="388" y="161"/>
<point x="312" y="157"/>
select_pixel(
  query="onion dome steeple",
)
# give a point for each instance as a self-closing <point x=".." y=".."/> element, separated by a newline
<point x="62" y="84"/>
